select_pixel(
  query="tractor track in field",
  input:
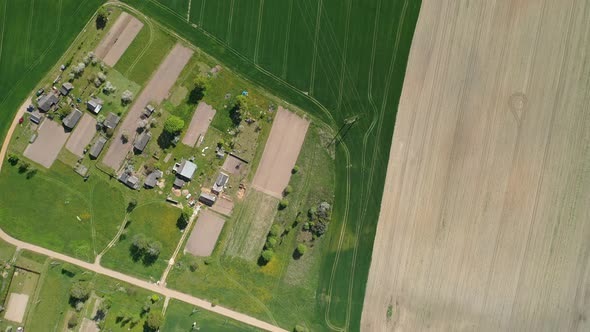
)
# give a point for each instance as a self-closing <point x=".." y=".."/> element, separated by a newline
<point x="287" y="38"/>
<point x="314" y="57"/>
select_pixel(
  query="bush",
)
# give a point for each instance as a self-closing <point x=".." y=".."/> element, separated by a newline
<point x="300" y="328"/>
<point x="101" y="19"/>
<point x="267" y="255"/>
<point x="184" y="218"/>
<point x="275" y="230"/>
<point x="287" y="190"/>
<point x="301" y="249"/>
<point x="199" y="90"/>
<point x="23" y="167"/>
<point x="126" y="97"/>
<point x="132" y="204"/>
<point x="173" y="124"/>
<point x="271" y="242"/>
<point x="13" y="159"/>
<point x="283" y="203"/>
<point x="80" y="291"/>
<point x="73" y="321"/>
<point x="295" y="169"/>
<point x="31" y="173"/>
<point x="194" y="265"/>
<point x="154" y="321"/>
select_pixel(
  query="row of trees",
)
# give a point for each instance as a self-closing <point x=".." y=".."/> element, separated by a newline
<point x="23" y="166"/>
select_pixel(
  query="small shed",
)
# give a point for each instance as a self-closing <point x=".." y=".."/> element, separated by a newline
<point x="220" y="183"/>
<point x="148" y="111"/>
<point x="94" y="105"/>
<point x="129" y="180"/>
<point x="66" y="88"/>
<point x="207" y="199"/>
<point x="142" y="141"/>
<point x="71" y="120"/>
<point x="36" y="117"/>
<point x="96" y="149"/>
<point x="178" y="183"/>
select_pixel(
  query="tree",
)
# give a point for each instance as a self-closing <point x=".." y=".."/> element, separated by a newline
<point x="271" y="242"/>
<point x="131" y="205"/>
<point x="31" y="173"/>
<point x="184" y="218"/>
<point x="139" y="244"/>
<point x="199" y="90"/>
<point x="275" y="230"/>
<point x="287" y="190"/>
<point x="153" y="249"/>
<point x="126" y="97"/>
<point x="173" y="124"/>
<point x="13" y="159"/>
<point x="301" y="249"/>
<point x="80" y="291"/>
<point x="101" y="77"/>
<point x="109" y="88"/>
<point x="154" y="321"/>
<point x="295" y="169"/>
<point x="194" y="265"/>
<point x="23" y="167"/>
<point x="101" y="19"/>
<point x="283" y="203"/>
<point x="267" y="255"/>
<point x="78" y="69"/>
<point x="238" y="110"/>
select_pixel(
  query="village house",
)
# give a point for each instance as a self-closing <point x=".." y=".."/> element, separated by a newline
<point x="72" y="119"/>
<point x="220" y="183"/>
<point x="46" y="102"/>
<point x="129" y="180"/>
<point x="142" y="141"/>
<point x="66" y="88"/>
<point x="111" y="121"/>
<point x="96" y="149"/>
<point x="207" y="199"/>
<point x="152" y="179"/>
<point x="185" y="170"/>
<point x="94" y="105"/>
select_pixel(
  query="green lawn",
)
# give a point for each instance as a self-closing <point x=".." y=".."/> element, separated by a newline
<point x="58" y="210"/>
<point x="156" y="221"/>
<point x="180" y="317"/>
<point x="145" y="53"/>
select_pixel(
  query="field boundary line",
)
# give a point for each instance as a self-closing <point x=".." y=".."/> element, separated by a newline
<point x="188" y="12"/>
<point x="344" y="56"/>
<point x="314" y="58"/>
<point x="258" y="28"/>
<point x="230" y="22"/>
<point x="202" y="13"/>
<point x="287" y="38"/>
<point x="3" y="29"/>
<point x="29" y="27"/>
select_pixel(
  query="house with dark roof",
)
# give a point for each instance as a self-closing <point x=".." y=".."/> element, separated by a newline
<point x="185" y="170"/>
<point x="152" y="179"/>
<point x="72" y="119"/>
<point x="66" y="88"/>
<point x="94" y="105"/>
<point x="112" y="120"/>
<point x="178" y="182"/>
<point x="220" y="183"/>
<point x="47" y="101"/>
<point x="148" y="111"/>
<point x="142" y="141"/>
<point x="96" y="149"/>
<point x="207" y="199"/>
<point x="129" y="180"/>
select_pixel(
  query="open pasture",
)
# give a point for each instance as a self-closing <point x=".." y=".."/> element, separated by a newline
<point x="485" y="222"/>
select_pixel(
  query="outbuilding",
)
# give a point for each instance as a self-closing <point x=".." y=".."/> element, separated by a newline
<point x="72" y="119"/>
<point x="94" y="105"/>
<point x="152" y="179"/>
<point x="96" y="149"/>
<point x="142" y="141"/>
<point x="220" y="183"/>
<point x="66" y="88"/>
<point x="207" y="199"/>
<point x="112" y="120"/>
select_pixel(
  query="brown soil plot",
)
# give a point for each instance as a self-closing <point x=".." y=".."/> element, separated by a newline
<point x="485" y="217"/>
<point x="51" y="138"/>
<point x="17" y="307"/>
<point x="82" y="135"/>
<point x="155" y="91"/>
<point x="119" y="37"/>
<point x="199" y="124"/>
<point x="204" y="236"/>
<point x="280" y="153"/>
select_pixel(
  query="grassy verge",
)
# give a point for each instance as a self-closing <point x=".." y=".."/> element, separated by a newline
<point x="180" y="317"/>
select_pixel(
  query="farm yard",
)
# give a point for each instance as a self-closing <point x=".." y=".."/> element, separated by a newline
<point x="285" y="51"/>
<point x="503" y="244"/>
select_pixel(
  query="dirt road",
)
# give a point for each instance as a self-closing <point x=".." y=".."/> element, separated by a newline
<point x="155" y="91"/>
<point x="485" y="217"/>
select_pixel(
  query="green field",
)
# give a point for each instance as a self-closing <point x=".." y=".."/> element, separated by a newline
<point x="156" y="221"/>
<point x="33" y="36"/>
<point x="60" y="211"/>
<point x="180" y="317"/>
<point x="350" y="56"/>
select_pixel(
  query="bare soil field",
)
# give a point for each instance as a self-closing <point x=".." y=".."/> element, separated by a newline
<point x="234" y="165"/>
<point x="155" y="91"/>
<point x="280" y="153"/>
<point x="51" y="138"/>
<point x="199" y="124"/>
<point x="82" y="135"/>
<point x="119" y="37"/>
<point x="485" y="218"/>
<point x="17" y="307"/>
<point x="223" y="205"/>
<point x="204" y="236"/>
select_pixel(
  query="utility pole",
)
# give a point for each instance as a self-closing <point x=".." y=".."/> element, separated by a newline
<point x="348" y="123"/>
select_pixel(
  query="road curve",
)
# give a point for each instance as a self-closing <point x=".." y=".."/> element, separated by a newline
<point x="97" y="268"/>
